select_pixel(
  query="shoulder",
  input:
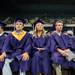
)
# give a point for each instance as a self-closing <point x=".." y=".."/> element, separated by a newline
<point x="5" y="34"/>
<point x="53" y="34"/>
<point x="9" y="35"/>
<point x="65" y="35"/>
<point x="28" y="35"/>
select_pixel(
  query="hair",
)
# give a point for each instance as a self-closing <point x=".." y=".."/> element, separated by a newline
<point x="57" y="21"/>
<point x="35" y="32"/>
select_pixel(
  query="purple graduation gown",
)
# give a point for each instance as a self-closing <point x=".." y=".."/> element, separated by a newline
<point x="2" y="39"/>
<point x="15" y="48"/>
<point x="41" y="59"/>
<point x="71" y="40"/>
<point x="62" y="43"/>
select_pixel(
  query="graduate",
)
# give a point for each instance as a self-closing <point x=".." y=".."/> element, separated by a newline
<point x="59" y="47"/>
<point x="41" y="44"/>
<point x="17" y="47"/>
<point x="71" y="39"/>
<point x="3" y="36"/>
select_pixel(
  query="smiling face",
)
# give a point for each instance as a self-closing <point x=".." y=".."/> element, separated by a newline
<point x="19" y="25"/>
<point x="39" y="26"/>
<point x="59" y="26"/>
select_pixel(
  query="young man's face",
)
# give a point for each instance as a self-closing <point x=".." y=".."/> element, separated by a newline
<point x="39" y="26"/>
<point x="59" y="26"/>
<point x="19" y="25"/>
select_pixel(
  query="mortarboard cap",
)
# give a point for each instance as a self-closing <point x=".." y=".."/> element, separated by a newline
<point x="20" y="20"/>
<point x="38" y="21"/>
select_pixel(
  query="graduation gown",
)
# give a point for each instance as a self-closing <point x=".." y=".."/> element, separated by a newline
<point x="15" y="45"/>
<point x="2" y="39"/>
<point x="71" y="40"/>
<point x="59" y="41"/>
<point x="40" y="59"/>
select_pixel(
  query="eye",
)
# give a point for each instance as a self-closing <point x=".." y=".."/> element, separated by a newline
<point x="20" y="24"/>
<point x="16" y="24"/>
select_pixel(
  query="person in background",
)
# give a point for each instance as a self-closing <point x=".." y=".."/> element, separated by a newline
<point x="71" y="39"/>
<point x="3" y="36"/>
<point x="70" y="32"/>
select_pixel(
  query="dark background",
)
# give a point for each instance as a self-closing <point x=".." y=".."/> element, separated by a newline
<point x="32" y="8"/>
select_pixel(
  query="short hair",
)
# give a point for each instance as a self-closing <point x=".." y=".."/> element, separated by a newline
<point x="57" y="21"/>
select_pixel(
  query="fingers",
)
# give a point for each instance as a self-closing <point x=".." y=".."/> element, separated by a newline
<point x="1" y="58"/>
<point x="25" y="57"/>
<point x="38" y="49"/>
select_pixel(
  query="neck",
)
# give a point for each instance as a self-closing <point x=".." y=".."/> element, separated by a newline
<point x="39" y="33"/>
<point x="18" y="31"/>
<point x="58" y="31"/>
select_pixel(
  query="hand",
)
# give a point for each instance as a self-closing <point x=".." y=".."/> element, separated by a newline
<point x="40" y="49"/>
<point x="25" y="56"/>
<point x="2" y="56"/>
<point x="64" y="53"/>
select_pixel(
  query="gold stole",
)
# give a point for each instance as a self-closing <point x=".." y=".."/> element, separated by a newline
<point x="19" y="36"/>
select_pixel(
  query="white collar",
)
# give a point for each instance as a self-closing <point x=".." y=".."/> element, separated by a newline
<point x="59" y="33"/>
